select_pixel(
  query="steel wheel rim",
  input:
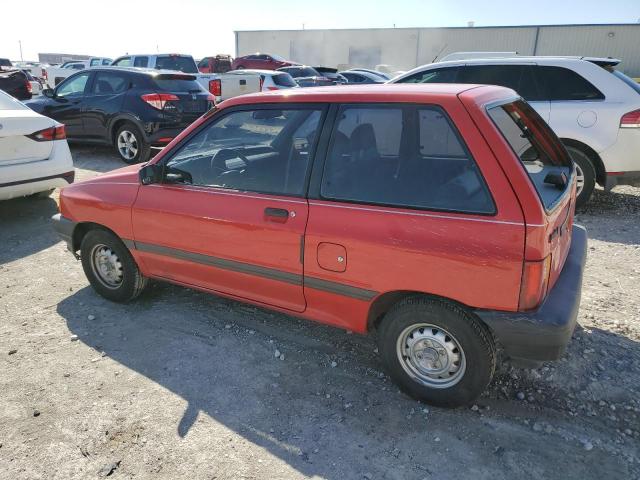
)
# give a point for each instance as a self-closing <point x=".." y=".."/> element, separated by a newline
<point x="106" y="266"/>
<point x="431" y="355"/>
<point x="127" y="145"/>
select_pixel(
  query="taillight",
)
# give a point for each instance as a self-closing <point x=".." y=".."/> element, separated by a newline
<point x="535" y="279"/>
<point x="49" y="134"/>
<point x="29" y="89"/>
<point x="159" y="100"/>
<point x="215" y="87"/>
<point x="630" y="120"/>
<point x="44" y="74"/>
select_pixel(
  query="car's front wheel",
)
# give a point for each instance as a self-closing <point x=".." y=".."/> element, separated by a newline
<point x="131" y="144"/>
<point x="436" y="351"/>
<point x="109" y="266"/>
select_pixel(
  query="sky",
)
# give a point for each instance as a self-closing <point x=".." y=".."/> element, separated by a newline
<point x="201" y="27"/>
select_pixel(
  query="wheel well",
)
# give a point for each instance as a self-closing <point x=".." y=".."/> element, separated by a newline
<point x="82" y="229"/>
<point x="384" y="302"/>
<point x="601" y="172"/>
<point x="116" y="125"/>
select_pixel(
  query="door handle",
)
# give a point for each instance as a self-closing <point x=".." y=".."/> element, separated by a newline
<point x="279" y="213"/>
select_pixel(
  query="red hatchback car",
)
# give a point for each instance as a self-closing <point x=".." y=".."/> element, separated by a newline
<point x="261" y="61"/>
<point x="439" y="217"/>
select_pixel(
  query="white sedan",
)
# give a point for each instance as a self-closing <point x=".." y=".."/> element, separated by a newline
<point x="34" y="155"/>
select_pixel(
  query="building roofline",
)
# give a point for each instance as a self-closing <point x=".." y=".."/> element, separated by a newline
<point x="446" y="28"/>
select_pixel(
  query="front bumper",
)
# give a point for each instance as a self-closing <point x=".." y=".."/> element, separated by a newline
<point x="529" y="338"/>
<point x="64" y="228"/>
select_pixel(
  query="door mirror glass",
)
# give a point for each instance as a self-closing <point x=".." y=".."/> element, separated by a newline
<point x="150" y="174"/>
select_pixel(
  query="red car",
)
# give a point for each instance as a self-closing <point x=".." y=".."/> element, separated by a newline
<point x="439" y="217"/>
<point x="261" y="61"/>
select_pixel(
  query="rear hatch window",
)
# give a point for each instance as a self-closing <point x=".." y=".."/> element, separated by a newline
<point x="177" y="83"/>
<point x="284" y="80"/>
<point x="542" y="154"/>
<point x="176" y="62"/>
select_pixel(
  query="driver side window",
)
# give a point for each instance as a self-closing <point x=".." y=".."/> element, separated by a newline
<point x="264" y="151"/>
<point x="73" y="87"/>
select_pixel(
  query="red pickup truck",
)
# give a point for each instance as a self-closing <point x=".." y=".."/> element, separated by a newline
<point x="438" y="217"/>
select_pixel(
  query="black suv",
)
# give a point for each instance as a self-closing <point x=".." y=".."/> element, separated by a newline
<point x="15" y="83"/>
<point x="132" y="109"/>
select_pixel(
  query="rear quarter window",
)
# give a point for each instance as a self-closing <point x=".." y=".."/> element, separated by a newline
<point x="541" y="153"/>
<point x="559" y="83"/>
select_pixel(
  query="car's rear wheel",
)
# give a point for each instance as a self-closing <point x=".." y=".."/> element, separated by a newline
<point x="131" y="144"/>
<point x="436" y="351"/>
<point x="585" y="173"/>
<point x="109" y="266"/>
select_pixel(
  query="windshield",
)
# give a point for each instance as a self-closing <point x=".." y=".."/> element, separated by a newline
<point x="284" y="80"/>
<point x="176" y="62"/>
<point x="542" y="155"/>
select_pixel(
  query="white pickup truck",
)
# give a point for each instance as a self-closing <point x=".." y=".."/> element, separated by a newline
<point x="220" y="85"/>
<point x="54" y="75"/>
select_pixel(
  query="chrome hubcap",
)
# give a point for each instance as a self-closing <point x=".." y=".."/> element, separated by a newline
<point x="431" y="355"/>
<point x="106" y="266"/>
<point x="127" y="145"/>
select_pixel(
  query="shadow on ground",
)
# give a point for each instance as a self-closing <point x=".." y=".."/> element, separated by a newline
<point x="332" y="422"/>
<point x="25" y="227"/>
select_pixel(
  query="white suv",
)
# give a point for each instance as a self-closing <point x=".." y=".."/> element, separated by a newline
<point x="593" y="108"/>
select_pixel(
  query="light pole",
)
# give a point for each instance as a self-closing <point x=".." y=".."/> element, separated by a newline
<point x="20" y="43"/>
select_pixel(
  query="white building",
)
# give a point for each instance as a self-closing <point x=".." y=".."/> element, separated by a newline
<point x="405" y="48"/>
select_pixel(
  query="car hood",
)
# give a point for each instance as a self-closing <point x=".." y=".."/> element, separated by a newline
<point x="128" y="174"/>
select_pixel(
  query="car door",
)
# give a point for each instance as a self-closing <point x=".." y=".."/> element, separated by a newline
<point x="517" y="76"/>
<point x="403" y="203"/>
<point x="67" y="104"/>
<point x="231" y="212"/>
<point x="103" y="100"/>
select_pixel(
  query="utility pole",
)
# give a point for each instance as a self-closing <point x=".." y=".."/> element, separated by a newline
<point x="20" y="43"/>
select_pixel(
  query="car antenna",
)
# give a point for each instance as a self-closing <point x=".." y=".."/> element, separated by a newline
<point x="441" y="50"/>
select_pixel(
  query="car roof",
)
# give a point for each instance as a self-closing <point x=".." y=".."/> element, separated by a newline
<point x="140" y="70"/>
<point x="389" y="93"/>
<point x="524" y="59"/>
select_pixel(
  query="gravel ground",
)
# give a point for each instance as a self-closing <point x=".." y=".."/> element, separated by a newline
<point x="183" y="384"/>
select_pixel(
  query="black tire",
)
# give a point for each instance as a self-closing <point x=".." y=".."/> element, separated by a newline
<point x="132" y="281"/>
<point x="44" y="194"/>
<point x="143" y="149"/>
<point x="240" y="67"/>
<point x="585" y="165"/>
<point x="477" y="361"/>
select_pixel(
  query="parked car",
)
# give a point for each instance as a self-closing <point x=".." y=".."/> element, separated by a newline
<point x="361" y="77"/>
<point x="382" y="75"/>
<point x="261" y="61"/>
<point x="593" y="108"/>
<point x="53" y="75"/>
<point x="34" y="68"/>
<point x="5" y="63"/>
<point x="34" y="83"/>
<point x="132" y="109"/>
<point x="215" y="64"/>
<point x="439" y="217"/>
<point x="332" y="74"/>
<point x="219" y="85"/>
<point x="307" y="76"/>
<point x="34" y="155"/>
<point x="270" y="79"/>
<point x="15" y="83"/>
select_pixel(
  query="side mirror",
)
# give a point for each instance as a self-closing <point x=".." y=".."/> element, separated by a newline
<point x="150" y="174"/>
<point x="48" y="92"/>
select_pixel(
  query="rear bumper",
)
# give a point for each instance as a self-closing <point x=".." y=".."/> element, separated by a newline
<point x="529" y="338"/>
<point x="23" y="188"/>
<point x="622" y="178"/>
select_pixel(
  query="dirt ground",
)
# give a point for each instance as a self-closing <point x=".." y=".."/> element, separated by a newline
<point x="183" y="384"/>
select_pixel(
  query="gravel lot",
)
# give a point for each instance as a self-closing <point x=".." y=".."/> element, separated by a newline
<point x="186" y="385"/>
